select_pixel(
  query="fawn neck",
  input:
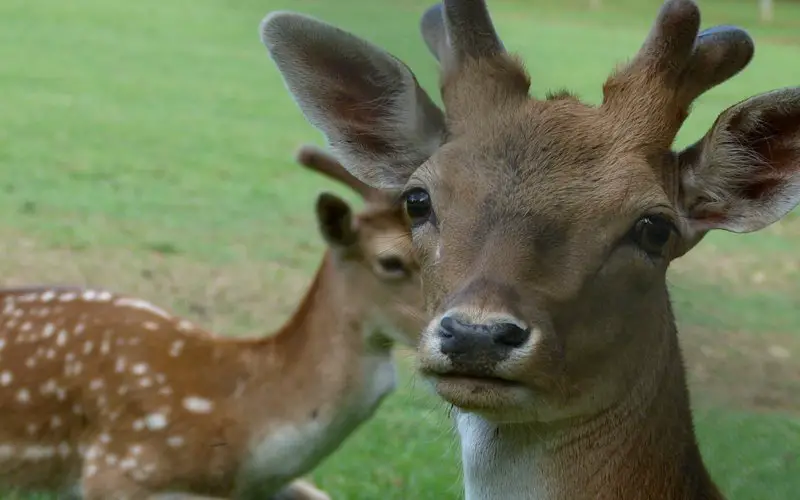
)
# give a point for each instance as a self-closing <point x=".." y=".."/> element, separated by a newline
<point x="319" y="353"/>
<point x="641" y="448"/>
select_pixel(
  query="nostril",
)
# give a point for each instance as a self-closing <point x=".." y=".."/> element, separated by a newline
<point x="509" y="334"/>
<point x="454" y="338"/>
<point x="446" y="328"/>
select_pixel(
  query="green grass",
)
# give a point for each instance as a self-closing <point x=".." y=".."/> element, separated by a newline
<point x="155" y="138"/>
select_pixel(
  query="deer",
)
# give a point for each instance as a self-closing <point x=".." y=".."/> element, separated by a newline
<point x="108" y="396"/>
<point x="544" y="228"/>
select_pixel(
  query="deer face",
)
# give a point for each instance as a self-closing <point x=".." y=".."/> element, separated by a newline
<point x="544" y="228"/>
<point x="372" y="249"/>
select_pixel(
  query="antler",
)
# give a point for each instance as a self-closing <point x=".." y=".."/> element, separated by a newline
<point x="674" y="66"/>
<point x="323" y="162"/>
<point x="460" y="32"/>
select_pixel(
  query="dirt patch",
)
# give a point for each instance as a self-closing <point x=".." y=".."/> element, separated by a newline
<point x="244" y="296"/>
<point x="743" y="370"/>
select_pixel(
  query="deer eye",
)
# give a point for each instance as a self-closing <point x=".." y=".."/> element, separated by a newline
<point x="652" y="233"/>
<point x="418" y="205"/>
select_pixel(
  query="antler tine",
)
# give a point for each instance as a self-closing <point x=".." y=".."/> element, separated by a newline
<point x="434" y="32"/>
<point x="323" y="162"/>
<point x="673" y="67"/>
<point x="662" y="56"/>
<point x="720" y="53"/>
<point x="470" y="31"/>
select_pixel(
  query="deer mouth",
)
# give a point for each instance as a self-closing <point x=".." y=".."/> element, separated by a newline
<point x="476" y="392"/>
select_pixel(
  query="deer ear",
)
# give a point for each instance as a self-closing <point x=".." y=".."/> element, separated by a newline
<point x="745" y="173"/>
<point x="375" y="116"/>
<point x="335" y="220"/>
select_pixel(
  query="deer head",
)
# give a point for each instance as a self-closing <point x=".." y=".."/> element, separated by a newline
<point x="372" y="246"/>
<point x="544" y="227"/>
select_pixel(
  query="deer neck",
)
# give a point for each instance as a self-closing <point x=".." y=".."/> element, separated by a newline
<point x="641" y="448"/>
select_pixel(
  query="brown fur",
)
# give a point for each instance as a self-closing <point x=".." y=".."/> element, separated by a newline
<point x="94" y="385"/>
<point x="535" y="208"/>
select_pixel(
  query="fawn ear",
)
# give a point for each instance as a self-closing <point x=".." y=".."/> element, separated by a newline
<point x="335" y="220"/>
<point x="745" y="173"/>
<point x="377" y="119"/>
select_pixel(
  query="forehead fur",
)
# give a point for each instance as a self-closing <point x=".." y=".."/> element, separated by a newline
<point x="552" y="154"/>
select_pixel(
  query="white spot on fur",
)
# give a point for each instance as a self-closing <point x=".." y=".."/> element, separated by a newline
<point x="48" y="330"/>
<point x="139" y="368"/>
<point x="141" y="304"/>
<point x="88" y="347"/>
<point x="79" y="328"/>
<point x="150" y="325"/>
<point x="175" y="348"/>
<point x="136" y="450"/>
<point x="2" y="344"/>
<point x="119" y="365"/>
<point x="68" y="297"/>
<point x="36" y="452"/>
<point x="96" y="384"/>
<point x="48" y="387"/>
<point x="138" y="424"/>
<point x="89" y="295"/>
<point x="145" y="382"/>
<point x="105" y="347"/>
<point x="47" y="296"/>
<point x="30" y="362"/>
<point x="128" y="464"/>
<point x="156" y="421"/>
<point x="5" y="378"/>
<point x="111" y="459"/>
<point x="104" y="296"/>
<point x="23" y="396"/>
<point x="26" y="326"/>
<point x="55" y="422"/>
<point x="32" y="428"/>
<point x="175" y="441"/>
<point x="104" y="438"/>
<point x="91" y="470"/>
<point x="196" y="404"/>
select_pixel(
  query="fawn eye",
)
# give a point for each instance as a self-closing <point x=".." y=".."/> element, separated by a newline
<point x="392" y="266"/>
<point x="418" y="205"/>
<point x="652" y="233"/>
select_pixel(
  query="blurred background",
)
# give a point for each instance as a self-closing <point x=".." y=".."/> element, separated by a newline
<point x="146" y="146"/>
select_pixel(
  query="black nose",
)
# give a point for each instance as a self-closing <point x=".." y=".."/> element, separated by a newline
<point x="458" y="337"/>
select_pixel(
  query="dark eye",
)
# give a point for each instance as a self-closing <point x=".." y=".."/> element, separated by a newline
<point x="652" y="233"/>
<point x="418" y="205"/>
<point x="392" y="265"/>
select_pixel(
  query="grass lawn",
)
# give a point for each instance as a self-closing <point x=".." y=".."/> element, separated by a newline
<point x="147" y="146"/>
